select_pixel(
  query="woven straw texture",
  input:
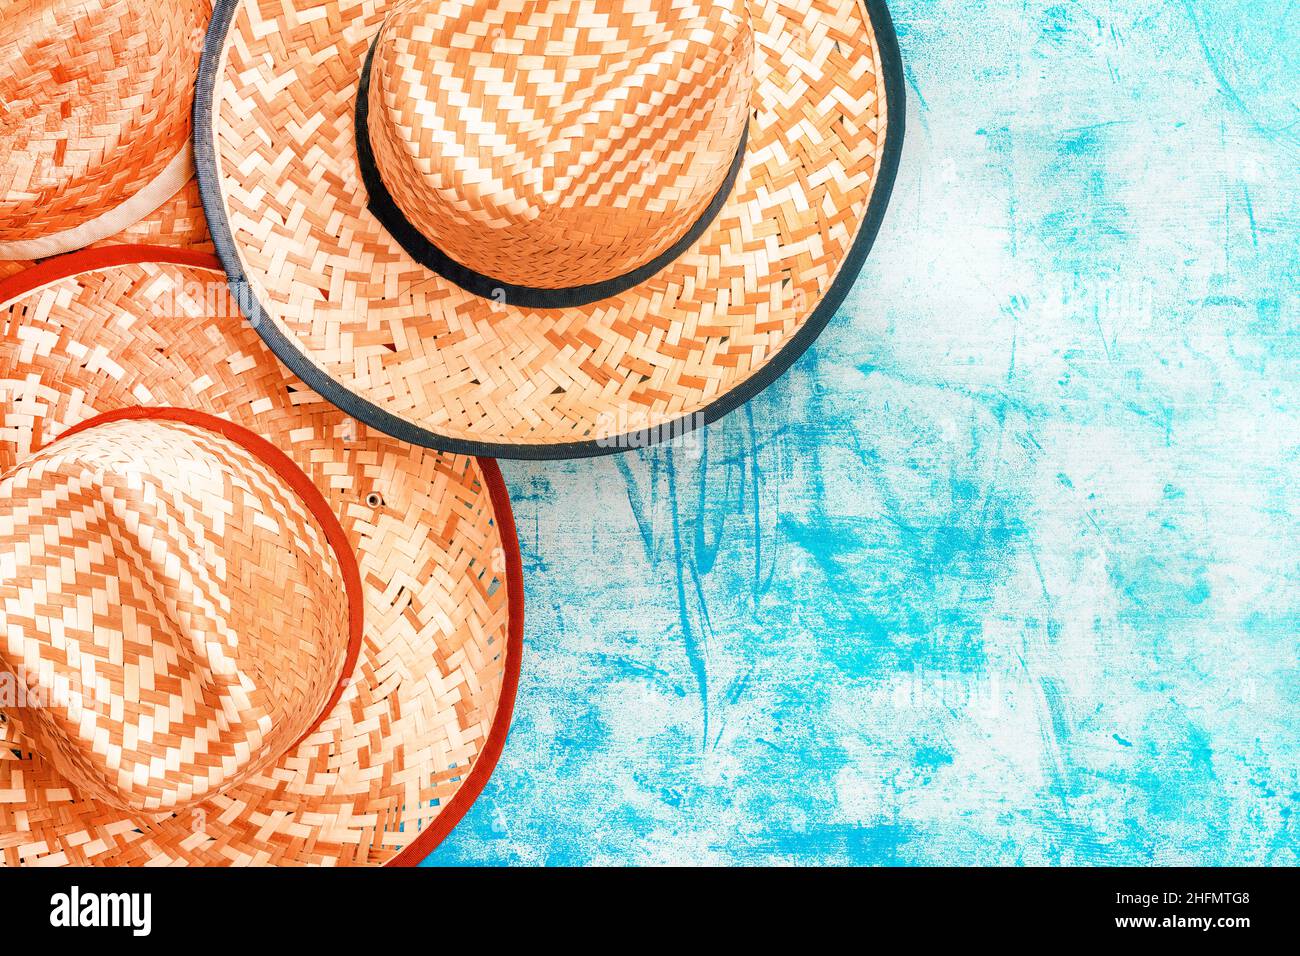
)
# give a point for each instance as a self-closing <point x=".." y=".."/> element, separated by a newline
<point x="178" y="223"/>
<point x="344" y="299"/>
<point x="97" y="100"/>
<point x="427" y="689"/>
<point x="176" y="605"/>
<point x="555" y="145"/>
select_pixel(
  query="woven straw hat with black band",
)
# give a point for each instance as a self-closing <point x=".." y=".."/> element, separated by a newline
<point x="239" y="627"/>
<point x="96" y="99"/>
<point x="544" y="229"/>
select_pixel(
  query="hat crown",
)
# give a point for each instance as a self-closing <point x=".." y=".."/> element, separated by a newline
<point x="96" y="98"/>
<point x="561" y="143"/>
<point x="175" y="605"/>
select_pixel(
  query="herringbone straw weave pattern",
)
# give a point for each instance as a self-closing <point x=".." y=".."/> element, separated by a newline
<point x="353" y="303"/>
<point x="176" y="605"/>
<point x="178" y="223"/>
<point x="413" y="719"/>
<point x="558" y="144"/>
<point x="96" y="98"/>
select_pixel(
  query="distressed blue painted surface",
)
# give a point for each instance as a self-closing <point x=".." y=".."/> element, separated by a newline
<point x="1007" y="569"/>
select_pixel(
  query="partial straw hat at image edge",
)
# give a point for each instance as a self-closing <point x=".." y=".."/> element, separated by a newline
<point x="95" y="128"/>
<point x="251" y="631"/>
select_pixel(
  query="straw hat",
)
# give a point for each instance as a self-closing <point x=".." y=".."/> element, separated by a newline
<point x="95" y="103"/>
<point x="178" y="223"/>
<point x="543" y="229"/>
<point x="237" y="628"/>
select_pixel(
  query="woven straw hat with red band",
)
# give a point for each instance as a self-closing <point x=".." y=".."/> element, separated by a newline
<point x="236" y="627"/>
<point x="544" y="229"/>
<point x="95" y="128"/>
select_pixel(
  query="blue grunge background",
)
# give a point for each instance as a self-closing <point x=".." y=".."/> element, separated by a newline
<point x="1007" y="568"/>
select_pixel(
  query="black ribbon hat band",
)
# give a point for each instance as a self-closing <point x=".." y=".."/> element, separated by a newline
<point x="419" y="248"/>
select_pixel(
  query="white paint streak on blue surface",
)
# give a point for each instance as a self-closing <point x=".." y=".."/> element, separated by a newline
<point x="1007" y="568"/>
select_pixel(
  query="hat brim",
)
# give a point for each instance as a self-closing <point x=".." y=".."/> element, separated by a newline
<point x="178" y="222"/>
<point x="411" y="353"/>
<point x="423" y="719"/>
